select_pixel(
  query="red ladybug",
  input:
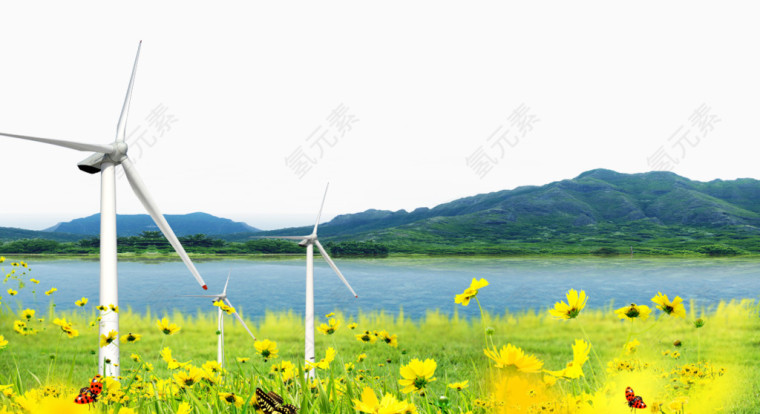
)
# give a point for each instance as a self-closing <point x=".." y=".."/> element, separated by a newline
<point x="96" y="386"/>
<point x="85" y="397"/>
<point x="633" y="400"/>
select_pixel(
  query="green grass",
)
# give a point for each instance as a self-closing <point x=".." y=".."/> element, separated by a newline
<point x="729" y="340"/>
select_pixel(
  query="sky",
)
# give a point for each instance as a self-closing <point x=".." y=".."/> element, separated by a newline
<point x="246" y="110"/>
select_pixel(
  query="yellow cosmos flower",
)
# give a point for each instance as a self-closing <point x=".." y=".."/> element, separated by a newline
<point x="221" y="305"/>
<point x="570" y="310"/>
<point x="329" y="329"/>
<point x="630" y="347"/>
<point x="674" y="308"/>
<point x="266" y="348"/>
<point x="108" y="339"/>
<point x="187" y="378"/>
<point x="66" y="327"/>
<point x="574" y="368"/>
<point x="514" y="356"/>
<point x="459" y="386"/>
<point x="366" y="337"/>
<point x="243" y="360"/>
<point x="130" y="337"/>
<point x="330" y="315"/>
<point x="3" y="342"/>
<point x="51" y="291"/>
<point x="2" y="259"/>
<point x="633" y="311"/>
<point x="389" y="339"/>
<point x="231" y="398"/>
<point x="81" y="302"/>
<point x="285" y="370"/>
<point x="213" y="367"/>
<point x="35" y="281"/>
<point x="12" y="292"/>
<point x="352" y="326"/>
<point x="472" y="291"/>
<point x="167" y="328"/>
<point x="324" y="363"/>
<point x="417" y="374"/>
<point x="102" y="308"/>
<point x="28" y="314"/>
<point x="370" y="404"/>
<point x="7" y="390"/>
<point x="361" y="357"/>
<point x="184" y="408"/>
<point x="166" y="355"/>
<point x="113" y="308"/>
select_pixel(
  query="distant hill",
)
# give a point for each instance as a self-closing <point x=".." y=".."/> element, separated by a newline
<point x="10" y="233"/>
<point x="597" y="203"/>
<point x="134" y="224"/>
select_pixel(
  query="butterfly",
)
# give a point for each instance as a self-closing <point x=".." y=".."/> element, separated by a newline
<point x="89" y="394"/>
<point x="271" y="403"/>
<point x="633" y="400"/>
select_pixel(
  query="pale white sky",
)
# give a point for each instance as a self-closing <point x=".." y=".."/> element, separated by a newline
<point x="423" y="86"/>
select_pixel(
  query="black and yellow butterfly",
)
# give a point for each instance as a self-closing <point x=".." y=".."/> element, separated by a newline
<point x="271" y="403"/>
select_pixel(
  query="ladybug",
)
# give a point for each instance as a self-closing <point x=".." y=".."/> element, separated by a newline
<point x="86" y="396"/>
<point x="633" y="400"/>
<point x="96" y="385"/>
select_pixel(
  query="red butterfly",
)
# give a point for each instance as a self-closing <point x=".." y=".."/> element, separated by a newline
<point x="633" y="400"/>
<point x="89" y="394"/>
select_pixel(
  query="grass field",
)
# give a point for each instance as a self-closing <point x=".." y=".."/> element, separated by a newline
<point x="676" y="367"/>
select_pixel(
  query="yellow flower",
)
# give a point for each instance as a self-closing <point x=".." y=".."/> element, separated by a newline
<point x="330" y="315"/>
<point x="147" y="366"/>
<point x="470" y="292"/>
<point x="7" y="390"/>
<point x="35" y="281"/>
<point x="352" y="326"/>
<point x="51" y="291"/>
<point x="130" y="337"/>
<point x="81" y="302"/>
<point x="108" y="339"/>
<point x="361" y="357"/>
<point x="459" y="386"/>
<point x="389" y="339"/>
<point x="243" y="360"/>
<point x="12" y="292"/>
<point x="28" y="314"/>
<point x="3" y="342"/>
<point x="324" y="363"/>
<point x="633" y="311"/>
<point x="630" y="347"/>
<point x="349" y="366"/>
<point x="213" y="367"/>
<point x="574" y="368"/>
<point x="2" y="259"/>
<point x="166" y="355"/>
<point x="417" y="374"/>
<point x="184" y="408"/>
<point x="285" y="369"/>
<point x="24" y="264"/>
<point x="135" y="357"/>
<point x="102" y="308"/>
<point x="570" y="310"/>
<point x="220" y="304"/>
<point x="66" y="327"/>
<point x="231" y="398"/>
<point x="331" y="328"/>
<point x="167" y="328"/>
<point x="674" y="308"/>
<point x="266" y="348"/>
<point x="187" y="378"/>
<point x="114" y="308"/>
<point x="366" y="337"/>
<point x="387" y="405"/>
<point x="512" y="355"/>
<point x="21" y="328"/>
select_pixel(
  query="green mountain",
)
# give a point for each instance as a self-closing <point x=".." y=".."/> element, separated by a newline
<point x="11" y="233"/>
<point x="134" y="224"/>
<point x="599" y="208"/>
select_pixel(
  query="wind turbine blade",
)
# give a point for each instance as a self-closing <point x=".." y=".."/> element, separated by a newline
<point x="283" y="237"/>
<point x="237" y="315"/>
<point x="142" y="193"/>
<point x="320" y="210"/>
<point x="200" y="296"/>
<point x="122" y="125"/>
<point x="79" y="146"/>
<point x="224" y="292"/>
<point x="335" y="268"/>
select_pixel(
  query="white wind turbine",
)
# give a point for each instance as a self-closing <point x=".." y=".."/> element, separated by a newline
<point x="220" y="319"/>
<point x="309" y="242"/>
<point x="105" y="160"/>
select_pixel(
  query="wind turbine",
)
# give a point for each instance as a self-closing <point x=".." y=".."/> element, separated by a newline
<point x="220" y="322"/>
<point x="104" y="161"/>
<point x="309" y="242"/>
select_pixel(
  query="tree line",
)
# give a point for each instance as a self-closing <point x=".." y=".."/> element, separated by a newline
<point x="155" y="242"/>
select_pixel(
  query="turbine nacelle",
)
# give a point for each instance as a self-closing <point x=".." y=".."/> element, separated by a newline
<point x="92" y="164"/>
